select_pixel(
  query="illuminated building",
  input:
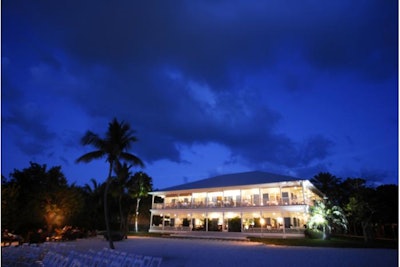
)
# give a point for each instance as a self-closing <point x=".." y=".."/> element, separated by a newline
<point x="250" y="202"/>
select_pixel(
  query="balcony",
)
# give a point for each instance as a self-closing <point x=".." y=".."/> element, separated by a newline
<point x="227" y="204"/>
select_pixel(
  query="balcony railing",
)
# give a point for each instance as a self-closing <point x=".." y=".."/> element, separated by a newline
<point x="274" y="230"/>
<point x="221" y="204"/>
<point x="249" y="230"/>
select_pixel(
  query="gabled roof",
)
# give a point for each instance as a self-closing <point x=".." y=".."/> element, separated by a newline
<point x="234" y="179"/>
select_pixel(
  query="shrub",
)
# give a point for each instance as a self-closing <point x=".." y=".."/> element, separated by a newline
<point x="313" y="234"/>
<point x="234" y="225"/>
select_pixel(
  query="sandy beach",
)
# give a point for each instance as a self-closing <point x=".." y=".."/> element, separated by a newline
<point x="193" y="252"/>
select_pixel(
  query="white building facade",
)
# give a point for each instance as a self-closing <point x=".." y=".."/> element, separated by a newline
<point x="251" y="202"/>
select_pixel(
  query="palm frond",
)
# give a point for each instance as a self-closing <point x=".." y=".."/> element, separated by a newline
<point x="91" y="156"/>
<point x="93" y="139"/>
<point x="130" y="158"/>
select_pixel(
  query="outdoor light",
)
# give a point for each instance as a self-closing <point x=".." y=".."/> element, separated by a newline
<point x="319" y="219"/>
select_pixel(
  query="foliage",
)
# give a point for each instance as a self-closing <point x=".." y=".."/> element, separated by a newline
<point x="234" y="224"/>
<point x="313" y="233"/>
<point x="368" y="210"/>
<point x="93" y="198"/>
<point x="329" y="185"/>
<point x="37" y="197"/>
<point x="324" y="217"/>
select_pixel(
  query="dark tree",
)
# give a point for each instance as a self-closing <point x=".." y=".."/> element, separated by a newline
<point x="360" y="206"/>
<point x="38" y="197"/>
<point x="329" y="185"/>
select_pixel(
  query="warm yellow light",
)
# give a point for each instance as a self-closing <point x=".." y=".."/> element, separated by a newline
<point x="280" y="219"/>
<point x="214" y="215"/>
<point x="255" y="191"/>
<point x="230" y="215"/>
<point x="262" y="221"/>
<point x="319" y="219"/>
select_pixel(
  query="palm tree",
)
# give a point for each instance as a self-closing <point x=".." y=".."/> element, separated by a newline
<point x="325" y="216"/>
<point x="140" y="187"/>
<point x="118" y="140"/>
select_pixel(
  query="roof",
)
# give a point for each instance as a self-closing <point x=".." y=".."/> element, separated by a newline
<point x="234" y="179"/>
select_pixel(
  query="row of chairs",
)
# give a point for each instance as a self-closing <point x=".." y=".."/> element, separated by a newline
<point x="55" y="255"/>
<point x="20" y="256"/>
<point x="103" y="258"/>
<point x="31" y="255"/>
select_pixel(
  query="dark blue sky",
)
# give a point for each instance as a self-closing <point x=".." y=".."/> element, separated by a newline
<point x="211" y="87"/>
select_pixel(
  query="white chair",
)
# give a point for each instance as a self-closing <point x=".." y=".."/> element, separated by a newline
<point x="129" y="261"/>
<point x="156" y="262"/>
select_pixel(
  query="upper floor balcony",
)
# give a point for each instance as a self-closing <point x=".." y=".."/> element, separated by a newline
<point x="228" y="204"/>
<point x="277" y="194"/>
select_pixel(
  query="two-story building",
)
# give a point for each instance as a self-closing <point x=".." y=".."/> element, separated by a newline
<point x="251" y="202"/>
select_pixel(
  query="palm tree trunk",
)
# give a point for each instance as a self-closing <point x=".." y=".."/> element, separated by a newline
<point x="106" y="208"/>
<point x="137" y="214"/>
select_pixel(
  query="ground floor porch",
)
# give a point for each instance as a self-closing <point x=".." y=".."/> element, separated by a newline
<point x="253" y="222"/>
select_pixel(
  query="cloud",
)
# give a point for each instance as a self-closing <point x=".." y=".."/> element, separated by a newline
<point x="234" y="39"/>
<point x="199" y="72"/>
<point x="27" y="124"/>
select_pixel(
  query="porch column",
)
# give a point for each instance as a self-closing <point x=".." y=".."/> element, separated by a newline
<point x="283" y="223"/>
<point x="223" y="221"/>
<point x="280" y="195"/>
<point x="151" y="219"/>
<point x="206" y="221"/>
<point x="241" y="222"/>
<point x="304" y="192"/>
<point x="162" y="222"/>
<point x="152" y="201"/>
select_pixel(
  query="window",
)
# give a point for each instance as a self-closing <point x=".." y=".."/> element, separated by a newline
<point x="285" y="198"/>
<point x="265" y="199"/>
<point x="256" y="200"/>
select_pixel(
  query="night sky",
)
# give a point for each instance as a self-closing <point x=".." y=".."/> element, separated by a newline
<point x="210" y="87"/>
